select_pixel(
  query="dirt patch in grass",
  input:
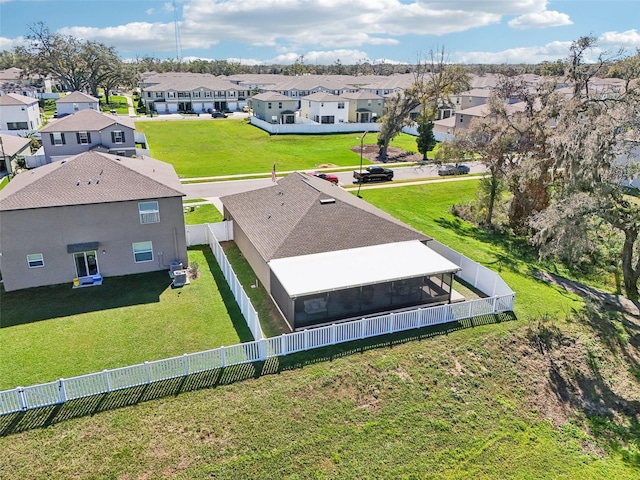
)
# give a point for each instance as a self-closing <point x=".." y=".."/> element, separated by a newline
<point x="394" y="154"/>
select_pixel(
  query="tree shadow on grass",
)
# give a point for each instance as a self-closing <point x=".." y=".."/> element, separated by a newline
<point x="46" y="416"/>
<point x="610" y="416"/>
<point x="43" y="303"/>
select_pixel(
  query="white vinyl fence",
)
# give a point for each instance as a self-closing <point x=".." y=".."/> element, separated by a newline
<point x="63" y="390"/>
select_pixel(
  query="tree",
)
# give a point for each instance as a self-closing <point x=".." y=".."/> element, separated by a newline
<point x="595" y="147"/>
<point x="434" y="83"/>
<point x="496" y="142"/>
<point x="426" y="140"/>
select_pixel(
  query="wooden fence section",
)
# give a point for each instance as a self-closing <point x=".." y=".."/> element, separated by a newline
<point x="501" y="300"/>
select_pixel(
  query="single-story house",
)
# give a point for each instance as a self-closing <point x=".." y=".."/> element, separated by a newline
<point x="325" y="255"/>
<point x="11" y="147"/>
<point x="18" y="112"/>
<point x="88" y="130"/>
<point x="90" y="216"/>
<point x="76" y="101"/>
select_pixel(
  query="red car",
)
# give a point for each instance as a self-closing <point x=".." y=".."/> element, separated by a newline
<point x="325" y="176"/>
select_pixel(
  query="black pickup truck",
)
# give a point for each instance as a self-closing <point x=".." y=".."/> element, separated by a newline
<point x="372" y="174"/>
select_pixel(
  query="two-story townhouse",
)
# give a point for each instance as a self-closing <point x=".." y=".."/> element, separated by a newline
<point x="76" y="101"/>
<point x="274" y="107"/>
<point x="88" y="130"/>
<point x="91" y="216"/>
<point x="19" y="113"/>
<point x="325" y="108"/>
<point x="364" y="107"/>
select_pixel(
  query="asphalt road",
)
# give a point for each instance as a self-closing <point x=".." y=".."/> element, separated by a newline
<point x="212" y="190"/>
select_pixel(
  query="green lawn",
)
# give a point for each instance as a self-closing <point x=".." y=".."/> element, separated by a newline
<point x="211" y="148"/>
<point x="496" y="400"/>
<point x="52" y="332"/>
<point x="117" y="103"/>
<point x="207" y="213"/>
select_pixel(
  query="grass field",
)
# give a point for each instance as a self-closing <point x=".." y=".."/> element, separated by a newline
<point x="125" y="321"/>
<point x="236" y="147"/>
<point x="553" y="393"/>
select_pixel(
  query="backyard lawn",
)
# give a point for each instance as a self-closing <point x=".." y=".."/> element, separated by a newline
<point x="52" y="332"/>
<point x="212" y="148"/>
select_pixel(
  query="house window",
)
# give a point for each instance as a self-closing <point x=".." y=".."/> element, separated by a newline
<point x="280" y="105"/>
<point x="195" y="94"/>
<point x="368" y="103"/>
<point x="269" y="105"/>
<point x="149" y="94"/>
<point x="207" y="94"/>
<point x="83" y="138"/>
<point x="17" y="125"/>
<point x="340" y="105"/>
<point x="461" y="118"/>
<point x="149" y="212"/>
<point x="75" y="107"/>
<point x="35" y="260"/>
<point x="117" y="136"/>
<point x="143" y="252"/>
<point x="57" y="138"/>
<point x="158" y="94"/>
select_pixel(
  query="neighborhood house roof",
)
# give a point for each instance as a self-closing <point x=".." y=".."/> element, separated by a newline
<point x="77" y="97"/>
<point x="90" y="178"/>
<point x="303" y="215"/>
<point x="12" y="144"/>
<point x="272" y="97"/>
<point x="87" y="121"/>
<point x="16" y="99"/>
<point x="384" y="263"/>
<point x="324" y="97"/>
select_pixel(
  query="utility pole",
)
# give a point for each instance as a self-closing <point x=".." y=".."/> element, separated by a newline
<point x="361" y="147"/>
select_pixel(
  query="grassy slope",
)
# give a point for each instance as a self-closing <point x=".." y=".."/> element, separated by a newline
<point x="465" y="404"/>
<point x="235" y="147"/>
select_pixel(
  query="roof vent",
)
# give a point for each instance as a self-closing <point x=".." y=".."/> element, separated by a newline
<point x="324" y="201"/>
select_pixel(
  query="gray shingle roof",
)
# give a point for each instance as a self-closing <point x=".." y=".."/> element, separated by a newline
<point x="288" y="219"/>
<point x="77" y="97"/>
<point x="90" y="178"/>
<point x="16" y="99"/>
<point x="324" y="97"/>
<point x="12" y="144"/>
<point x="87" y="121"/>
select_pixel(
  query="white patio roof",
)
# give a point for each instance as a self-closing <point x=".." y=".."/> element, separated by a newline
<point x="321" y="272"/>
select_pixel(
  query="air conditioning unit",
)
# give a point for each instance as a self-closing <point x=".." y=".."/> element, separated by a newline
<point x="173" y="267"/>
<point x="180" y="278"/>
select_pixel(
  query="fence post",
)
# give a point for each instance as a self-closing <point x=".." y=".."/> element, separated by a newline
<point x="362" y="325"/>
<point x="106" y="380"/>
<point x="283" y="344"/>
<point x="62" y="394"/>
<point x="493" y="305"/>
<point x="495" y="280"/>
<point x="333" y="334"/>
<point x="262" y="349"/>
<point x="22" y="398"/>
<point x="148" y="370"/>
<point x="391" y="322"/>
<point x="185" y="360"/>
<point x="305" y="337"/>
<point x="223" y="356"/>
<point x="471" y="308"/>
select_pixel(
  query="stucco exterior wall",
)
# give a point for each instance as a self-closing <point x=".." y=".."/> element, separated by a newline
<point x="20" y="113"/>
<point x="103" y="137"/>
<point x="71" y="108"/>
<point x="115" y="226"/>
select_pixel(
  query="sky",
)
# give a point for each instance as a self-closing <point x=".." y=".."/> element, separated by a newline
<point x="256" y="32"/>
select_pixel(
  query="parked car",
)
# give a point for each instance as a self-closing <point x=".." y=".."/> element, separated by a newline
<point x="219" y="115"/>
<point x="329" y="177"/>
<point x="246" y="109"/>
<point x="372" y="174"/>
<point x="451" y="169"/>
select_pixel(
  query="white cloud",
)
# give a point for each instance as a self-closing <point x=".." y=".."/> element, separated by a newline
<point x="537" y="54"/>
<point x="150" y="11"/>
<point x="545" y="19"/>
<point x="10" y="43"/>
<point x="628" y="39"/>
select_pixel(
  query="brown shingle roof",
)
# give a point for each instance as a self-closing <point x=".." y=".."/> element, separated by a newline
<point x="77" y="97"/>
<point x="288" y="219"/>
<point x="89" y="178"/>
<point x="87" y="121"/>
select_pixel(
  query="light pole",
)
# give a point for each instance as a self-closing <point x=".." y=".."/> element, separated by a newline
<point x="361" y="147"/>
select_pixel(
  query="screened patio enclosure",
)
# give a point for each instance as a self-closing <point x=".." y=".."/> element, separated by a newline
<point x="327" y="287"/>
